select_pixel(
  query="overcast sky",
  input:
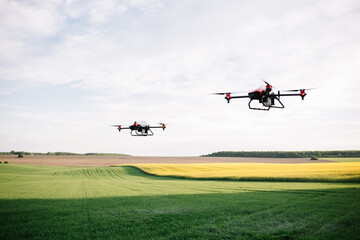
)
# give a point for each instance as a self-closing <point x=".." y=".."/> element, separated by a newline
<point x="70" y="69"/>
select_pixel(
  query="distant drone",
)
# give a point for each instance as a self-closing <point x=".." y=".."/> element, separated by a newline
<point x="266" y="97"/>
<point x="141" y="128"/>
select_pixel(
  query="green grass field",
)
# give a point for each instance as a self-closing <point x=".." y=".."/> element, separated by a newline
<point x="41" y="202"/>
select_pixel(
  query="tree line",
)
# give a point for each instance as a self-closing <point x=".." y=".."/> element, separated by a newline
<point x="286" y="154"/>
<point x="60" y="153"/>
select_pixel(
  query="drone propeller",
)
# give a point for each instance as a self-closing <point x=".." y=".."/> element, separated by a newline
<point x="268" y="86"/>
<point x="163" y="125"/>
<point x="227" y="95"/>
<point x="266" y="82"/>
<point x="224" y="93"/>
<point x="295" y="90"/>
<point x="117" y="126"/>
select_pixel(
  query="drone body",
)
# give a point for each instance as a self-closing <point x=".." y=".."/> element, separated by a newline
<point x="140" y="128"/>
<point x="266" y="97"/>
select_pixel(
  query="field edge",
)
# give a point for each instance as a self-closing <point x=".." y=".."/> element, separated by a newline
<point x="258" y="179"/>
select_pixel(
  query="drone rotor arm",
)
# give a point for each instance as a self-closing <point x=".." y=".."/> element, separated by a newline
<point x="162" y="125"/>
<point x="240" y="96"/>
<point x="302" y="94"/>
<point x="288" y="94"/>
<point x="119" y="127"/>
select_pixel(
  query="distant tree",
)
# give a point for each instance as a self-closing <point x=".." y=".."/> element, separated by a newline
<point x="6" y="162"/>
<point x="20" y="155"/>
<point x="314" y="158"/>
<point x="287" y="154"/>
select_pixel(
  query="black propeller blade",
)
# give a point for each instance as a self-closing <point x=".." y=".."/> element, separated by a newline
<point x="224" y="93"/>
<point x="266" y="82"/>
<point x="295" y="90"/>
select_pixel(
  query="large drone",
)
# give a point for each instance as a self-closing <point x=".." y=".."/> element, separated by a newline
<point x="141" y="128"/>
<point x="266" y="97"/>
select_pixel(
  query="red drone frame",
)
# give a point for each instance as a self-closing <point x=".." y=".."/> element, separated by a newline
<point x="140" y="129"/>
<point x="266" y="97"/>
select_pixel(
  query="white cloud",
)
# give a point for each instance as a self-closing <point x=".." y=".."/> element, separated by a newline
<point x="157" y="61"/>
<point x="21" y="20"/>
<point x="5" y="92"/>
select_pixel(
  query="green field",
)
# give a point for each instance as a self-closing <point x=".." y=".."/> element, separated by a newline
<point x="41" y="202"/>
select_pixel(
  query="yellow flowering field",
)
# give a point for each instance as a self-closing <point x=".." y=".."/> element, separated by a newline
<point x="336" y="171"/>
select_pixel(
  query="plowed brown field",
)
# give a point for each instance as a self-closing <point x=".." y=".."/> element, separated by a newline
<point x="96" y="161"/>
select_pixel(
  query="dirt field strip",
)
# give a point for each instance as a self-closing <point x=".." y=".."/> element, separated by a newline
<point x="98" y="161"/>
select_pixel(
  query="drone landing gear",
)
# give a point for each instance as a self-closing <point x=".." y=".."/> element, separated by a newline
<point x="273" y="103"/>
<point x="136" y="133"/>
<point x="254" y="108"/>
<point x="267" y="107"/>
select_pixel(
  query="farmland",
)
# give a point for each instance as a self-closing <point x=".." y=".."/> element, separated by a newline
<point x="58" y="202"/>
<point x="321" y="172"/>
